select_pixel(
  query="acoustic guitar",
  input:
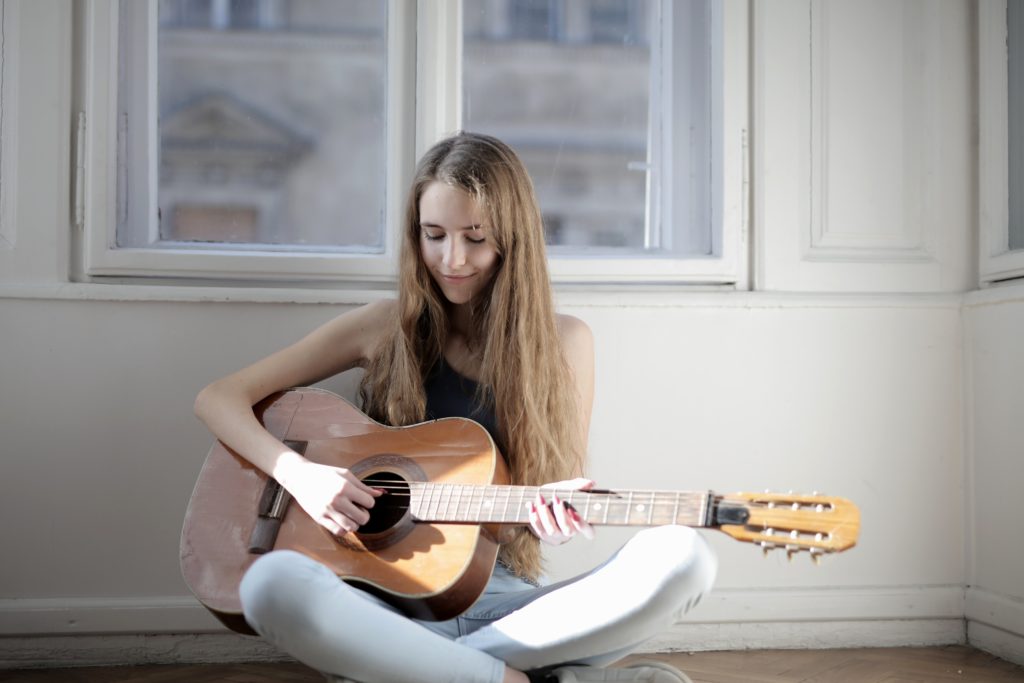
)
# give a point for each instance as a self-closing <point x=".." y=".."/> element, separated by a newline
<point x="432" y="540"/>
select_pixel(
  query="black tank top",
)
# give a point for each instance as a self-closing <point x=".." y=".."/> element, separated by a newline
<point x="449" y="394"/>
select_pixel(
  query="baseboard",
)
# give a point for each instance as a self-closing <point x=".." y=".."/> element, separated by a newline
<point x="995" y="623"/>
<point x="887" y="616"/>
<point x="871" y="603"/>
<point x="88" y="632"/>
<point x="122" y="649"/>
<point x="1003" y="644"/>
<point x="809" y="635"/>
<point x="88" y="616"/>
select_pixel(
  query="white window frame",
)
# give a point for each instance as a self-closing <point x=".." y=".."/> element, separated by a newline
<point x="424" y="57"/>
<point x="8" y="126"/>
<point x="997" y="262"/>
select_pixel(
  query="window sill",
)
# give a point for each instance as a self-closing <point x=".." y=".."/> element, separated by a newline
<point x="573" y="296"/>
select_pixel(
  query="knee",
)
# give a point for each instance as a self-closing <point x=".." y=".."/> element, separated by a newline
<point x="267" y="586"/>
<point x="679" y="559"/>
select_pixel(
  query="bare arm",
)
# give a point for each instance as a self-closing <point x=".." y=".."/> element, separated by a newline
<point x="332" y="496"/>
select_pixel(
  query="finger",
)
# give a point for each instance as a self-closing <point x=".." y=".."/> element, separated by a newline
<point x="358" y="492"/>
<point x="354" y="512"/>
<point x="545" y="523"/>
<point x="366" y="493"/>
<point x="372" y="490"/>
<point x="338" y="524"/>
<point x="545" y="515"/>
<point x="534" y="518"/>
<point x="561" y="516"/>
<point x="581" y="525"/>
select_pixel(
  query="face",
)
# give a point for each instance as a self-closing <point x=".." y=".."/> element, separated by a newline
<point x="455" y="242"/>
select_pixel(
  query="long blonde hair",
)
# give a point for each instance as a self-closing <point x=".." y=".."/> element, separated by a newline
<point x="522" y="367"/>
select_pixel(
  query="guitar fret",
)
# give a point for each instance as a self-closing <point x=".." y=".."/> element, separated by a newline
<point x="416" y="500"/>
<point x="506" y="504"/>
<point x="482" y="501"/>
<point x="435" y="502"/>
<point x="447" y="502"/>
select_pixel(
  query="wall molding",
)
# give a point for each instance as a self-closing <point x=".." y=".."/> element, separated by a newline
<point x="98" y="631"/>
<point x="996" y="610"/>
<point x="1003" y="644"/>
<point x="9" y="53"/>
<point x="904" y="236"/>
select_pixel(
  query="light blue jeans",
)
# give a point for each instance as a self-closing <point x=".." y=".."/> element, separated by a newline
<point x="300" y="606"/>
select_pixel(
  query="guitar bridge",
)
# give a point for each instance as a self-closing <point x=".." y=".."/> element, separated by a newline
<point x="271" y="510"/>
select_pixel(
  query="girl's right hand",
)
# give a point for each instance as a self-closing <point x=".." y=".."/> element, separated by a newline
<point x="334" y="497"/>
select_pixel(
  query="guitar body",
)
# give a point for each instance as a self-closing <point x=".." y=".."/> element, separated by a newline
<point x="428" y="570"/>
<point x="431" y="542"/>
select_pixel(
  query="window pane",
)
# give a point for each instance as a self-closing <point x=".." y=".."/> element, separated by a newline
<point x="567" y="84"/>
<point x="1015" y="69"/>
<point x="271" y="126"/>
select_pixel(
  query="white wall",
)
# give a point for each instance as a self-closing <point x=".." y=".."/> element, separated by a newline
<point x="845" y="371"/>
<point x="858" y="398"/>
<point x="994" y="323"/>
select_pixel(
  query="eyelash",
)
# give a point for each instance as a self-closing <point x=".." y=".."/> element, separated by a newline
<point x="435" y="238"/>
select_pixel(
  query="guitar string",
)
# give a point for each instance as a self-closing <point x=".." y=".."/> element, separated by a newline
<point x="778" y="499"/>
<point x="641" y="496"/>
<point x="480" y="493"/>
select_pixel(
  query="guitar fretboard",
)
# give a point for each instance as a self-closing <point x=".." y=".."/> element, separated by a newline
<point x="438" y="502"/>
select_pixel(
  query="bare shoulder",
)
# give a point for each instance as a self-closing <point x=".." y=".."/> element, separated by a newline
<point x="361" y="329"/>
<point x="575" y="333"/>
<point x="377" y="313"/>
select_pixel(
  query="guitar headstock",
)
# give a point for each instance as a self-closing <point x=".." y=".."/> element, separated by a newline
<point x="791" y="522"/>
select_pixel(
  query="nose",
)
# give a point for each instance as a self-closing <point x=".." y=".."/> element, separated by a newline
<point x="454" y="255"/>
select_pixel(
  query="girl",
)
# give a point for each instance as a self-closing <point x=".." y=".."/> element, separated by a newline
<point x="473" y="333"/>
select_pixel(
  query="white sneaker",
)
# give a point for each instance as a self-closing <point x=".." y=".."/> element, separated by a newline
<point x="646" y="671"/>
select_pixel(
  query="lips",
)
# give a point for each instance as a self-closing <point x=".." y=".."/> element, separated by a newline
<point x="455" y="279"/>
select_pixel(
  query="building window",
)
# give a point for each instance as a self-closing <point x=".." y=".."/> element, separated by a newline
<point x="616" y="130"/>
<point x="1015" y="87"/>
<point x="280" y="131"/>
<point x="275" y="139"/>
<point x="1001" y="140"/>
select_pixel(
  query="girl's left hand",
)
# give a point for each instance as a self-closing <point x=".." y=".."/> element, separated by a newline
<point x="552" y="519"/>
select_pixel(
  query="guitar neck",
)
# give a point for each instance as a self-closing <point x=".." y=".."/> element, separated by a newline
<point x="465" y="503"/>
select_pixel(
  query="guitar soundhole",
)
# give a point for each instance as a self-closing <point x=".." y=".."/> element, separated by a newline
<point x="389" y="509"/>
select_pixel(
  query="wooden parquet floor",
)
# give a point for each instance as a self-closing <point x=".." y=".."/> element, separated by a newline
<point x="869" y="665"/>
